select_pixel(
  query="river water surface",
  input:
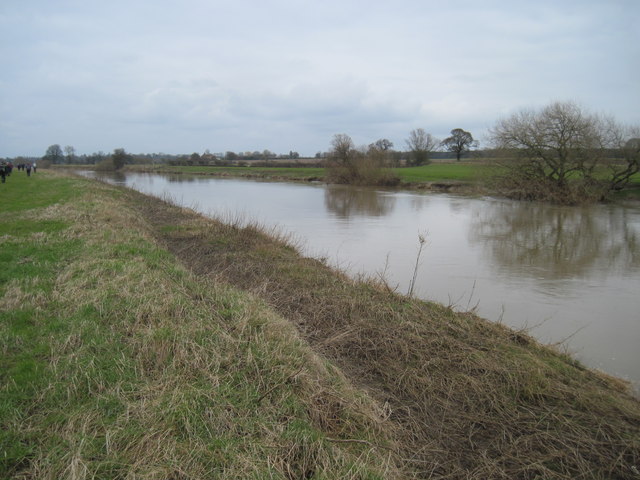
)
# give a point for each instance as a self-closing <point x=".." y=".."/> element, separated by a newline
<point x="570" y="275"/>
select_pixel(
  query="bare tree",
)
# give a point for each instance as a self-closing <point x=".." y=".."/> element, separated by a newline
<point x="380" y="152"/>
<point x="459" y="142"/>
<point x="554" y="142"/>
<point x="382" y="145"/>
<point x="71" y="154"/>
<point x="420" y="144"/>
<point x="623" y="147"/>
<point x="565" y="149"/>
<point x="342" y="149"/>
<point x="346" y="164"/>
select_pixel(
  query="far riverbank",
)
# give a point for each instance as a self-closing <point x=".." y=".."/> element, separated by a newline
<point x="471" y="177"/>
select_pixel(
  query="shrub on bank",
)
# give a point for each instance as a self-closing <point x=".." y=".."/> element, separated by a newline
<point x="348" y="165"/>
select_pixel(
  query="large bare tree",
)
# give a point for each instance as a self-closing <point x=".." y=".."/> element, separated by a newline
<point x="563" y="147"/>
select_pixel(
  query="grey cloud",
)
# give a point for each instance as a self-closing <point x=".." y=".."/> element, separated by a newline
<point x="152" y="76"/>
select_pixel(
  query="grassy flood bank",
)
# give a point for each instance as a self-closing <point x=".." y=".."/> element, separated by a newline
<point x="141" y="340"/>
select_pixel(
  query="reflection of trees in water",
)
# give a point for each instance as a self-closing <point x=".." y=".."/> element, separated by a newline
<point x="557" y="242"/>
<point x="113" y="176"/>
<point x="118" y="176"/>
<point x="177" y="178"/>
<point x="345" y="202"/>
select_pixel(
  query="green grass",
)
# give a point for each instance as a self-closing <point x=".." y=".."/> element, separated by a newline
<point x="21" y="193"/>
<point x="461" y="172"/>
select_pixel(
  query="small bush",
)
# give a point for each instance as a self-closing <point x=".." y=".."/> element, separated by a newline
<point x="361" y="173"/>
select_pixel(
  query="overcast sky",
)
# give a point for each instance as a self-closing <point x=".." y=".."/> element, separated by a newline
<point x="244" y="75"/>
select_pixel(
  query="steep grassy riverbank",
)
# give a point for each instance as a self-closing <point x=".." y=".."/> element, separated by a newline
<point x="140" y="339"/>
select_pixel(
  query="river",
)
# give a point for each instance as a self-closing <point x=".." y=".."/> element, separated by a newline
<point x="568" y="275"/>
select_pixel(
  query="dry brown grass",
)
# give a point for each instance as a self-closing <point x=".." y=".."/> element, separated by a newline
<point x="466" y="398"/>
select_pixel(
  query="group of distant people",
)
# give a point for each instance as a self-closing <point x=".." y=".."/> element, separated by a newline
<point x="7" y="167"/>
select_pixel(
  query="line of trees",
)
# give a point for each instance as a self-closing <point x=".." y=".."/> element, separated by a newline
<point x="421" y="148"/>
<point x="264" y="155"/>
<point x="371" y="165"/>
<point x="57" y="155"/>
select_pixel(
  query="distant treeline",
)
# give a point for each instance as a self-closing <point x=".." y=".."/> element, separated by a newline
<point x="221" y="159"/>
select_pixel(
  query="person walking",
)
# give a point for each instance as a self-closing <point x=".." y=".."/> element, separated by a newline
<point x="3" y="171"/>
<point x="28" y="169"/>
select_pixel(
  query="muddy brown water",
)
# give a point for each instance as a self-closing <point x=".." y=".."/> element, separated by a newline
<point x="569" y="275"/>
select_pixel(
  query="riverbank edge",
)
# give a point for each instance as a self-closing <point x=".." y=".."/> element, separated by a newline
<point x="454" y="395"/>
